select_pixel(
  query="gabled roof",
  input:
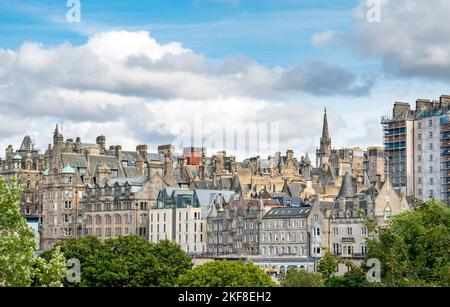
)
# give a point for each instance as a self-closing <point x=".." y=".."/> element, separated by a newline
<point x="68" y="170"/>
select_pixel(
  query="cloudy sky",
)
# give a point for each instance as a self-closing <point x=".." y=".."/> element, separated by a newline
<point x="157" y="72"/>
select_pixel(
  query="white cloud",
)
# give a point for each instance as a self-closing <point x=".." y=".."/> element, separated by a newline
<point x="412" y="39"/>
<point x="321" y="39"/>
<point x="134" y="90"/>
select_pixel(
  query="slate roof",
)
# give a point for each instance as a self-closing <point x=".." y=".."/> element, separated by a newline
<point x="287" y="212"/>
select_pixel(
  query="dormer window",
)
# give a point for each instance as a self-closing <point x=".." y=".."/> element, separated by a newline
<point x="387" y="213"/>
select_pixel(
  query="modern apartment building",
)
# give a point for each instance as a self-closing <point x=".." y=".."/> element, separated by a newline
<point x="416" y="144"/>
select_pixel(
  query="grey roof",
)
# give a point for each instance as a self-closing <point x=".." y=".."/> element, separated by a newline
<point x="155" y="157"/>
<point x="347" y="190"/>
<point x="131" y="180"/>
<point x="27" y="144"/>
<point x="295" y="188"/>
<point x="206" y="197"/>
<point x="287" y="212"/>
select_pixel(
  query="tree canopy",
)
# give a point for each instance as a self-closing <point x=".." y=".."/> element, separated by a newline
<point x="225" y="273"/>
<point x="125" y="262"/>
<point x="414" y="248"/>
<point x="301" y="278"/>
<point x="18" y="265"/>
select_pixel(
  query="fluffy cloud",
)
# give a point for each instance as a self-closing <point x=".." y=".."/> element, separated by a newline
<point x="323" y="38"/>
<point x="127" y="85"/>
<point x="412" y="39"/>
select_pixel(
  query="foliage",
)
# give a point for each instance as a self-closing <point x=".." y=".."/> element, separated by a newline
<point x="355" y="277"/>
<point x="328" y="266"/>
<point x="225" y="274"/>
<point x="17" y="242"/>
<point x="18" y="266"/>
<point x="49" y="273"/>
<point x="301" y="278"/>
<point x="125" y="262"/>
<point x="414" y="248"/>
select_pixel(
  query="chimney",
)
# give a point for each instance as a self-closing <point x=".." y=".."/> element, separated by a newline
<point x="401" y="108"/>
<point x="290" y="154"/>
<point x="101" y="141"/>
<point x="140" y="165"/>
<point x="142" y="150"/>
<point x="118" y="150"/>
<point x="9" y="153"/>
<point x="78" y="145"/>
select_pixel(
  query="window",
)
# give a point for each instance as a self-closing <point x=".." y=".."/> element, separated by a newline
<point x="430" y="123"/>
<point x="349" y="231"/>
<point x="431" y="157"/>
<point x="419" y="180"/>
<point x="431" y="193"/>
<point x="419" y="158"/>
<point x="387" y="213"/>
<point x="363" y="249"/>
<point x="335" y="231"/>
<point x="419" y="169"/>
<point x="364" y="231"/>
<point x="431" y="135"/>
<point x="68" y="204"/>
<point x="431" y="169"/>
<point x="431" y="181"/>
<point x="419" y="147"/>
<point x="67" y="218"/>
<point x="420" y="192"/>
<point x="431" y="146"/>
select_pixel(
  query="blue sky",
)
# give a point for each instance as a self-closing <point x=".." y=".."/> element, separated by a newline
<point x="271" y="32"/>
<point x="255" y="54"/>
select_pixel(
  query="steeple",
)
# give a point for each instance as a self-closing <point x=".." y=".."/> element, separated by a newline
<point x="325" y="132"/>
<point x="324" y="152"/>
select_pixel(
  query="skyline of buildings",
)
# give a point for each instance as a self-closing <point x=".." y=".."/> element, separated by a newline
<point x="280" y="211"/>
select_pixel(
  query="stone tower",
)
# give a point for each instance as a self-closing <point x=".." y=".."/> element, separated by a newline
<point x="324" y="152"/>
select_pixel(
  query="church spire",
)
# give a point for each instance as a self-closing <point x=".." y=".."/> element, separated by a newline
<point x="324" y="152"/>
<point x="325" y="132"/>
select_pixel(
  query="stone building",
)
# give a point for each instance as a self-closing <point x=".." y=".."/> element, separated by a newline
<point x="177" y="218"/>
<point x="120" y="207"/>
<point x="339" y="226"/>
<point x="26" y="165"/>
<point x="284" y="233"/>
<point x="72" y="166"/>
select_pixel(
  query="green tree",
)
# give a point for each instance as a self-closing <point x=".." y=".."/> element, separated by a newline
<point x="18" y="266"/>
<point x="125" y="262"/>
<point x="225" y="274"/>
<point x="355" y="277"/>
<point x="328" y="266"/>
<point x="414" y="248"/>
<point x="301" y="278"/>
<point x="49" y="273"/>
<point x="17" y="242"/>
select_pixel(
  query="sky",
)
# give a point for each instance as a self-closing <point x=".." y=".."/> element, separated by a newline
<point x="158" y="72"/>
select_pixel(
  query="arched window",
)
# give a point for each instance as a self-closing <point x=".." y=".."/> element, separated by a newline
<point x="89" y="220"/>
<point x="98" y="220"/>
<point x="108" y="219"/>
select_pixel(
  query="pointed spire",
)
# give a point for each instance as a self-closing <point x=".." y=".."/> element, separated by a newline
<point x="325" y="132"/>
<point x="347" y="190"/>
<point x="307" y="159"/>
